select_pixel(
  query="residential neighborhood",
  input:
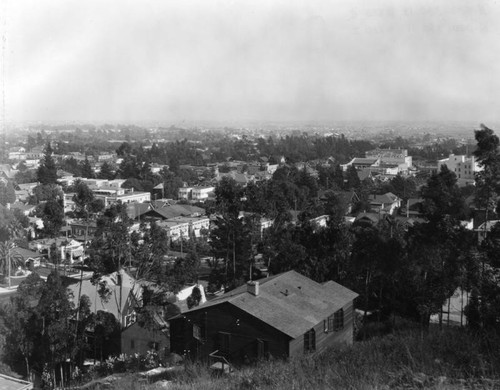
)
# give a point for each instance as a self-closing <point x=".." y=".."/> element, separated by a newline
<point x="257" y="195"/>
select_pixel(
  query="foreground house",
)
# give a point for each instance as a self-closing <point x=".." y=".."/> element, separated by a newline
<point x="141" y="338"/>
<point x="285" y="315"/>
<point x="120" y="295"/>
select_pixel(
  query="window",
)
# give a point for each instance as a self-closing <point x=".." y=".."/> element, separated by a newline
<point x="132" y="344"/>
<point x="309" y="341"/>
<point x="262" y="349"/>
<point x="199" y="332"/>
<point x="338" y="320"/>
<point x="329" y="324"/>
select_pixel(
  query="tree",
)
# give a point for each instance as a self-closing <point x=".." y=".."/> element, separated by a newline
<point x="171" y="184"/>
<point x="129" y="168"/>
<point x="52" y="214"/>
<point x="442" y="198"/>
<point x="352" y="178"/>
<point x="10" y="233"/>
<point x="86" y="169"/>
<point x="110" y="249"/>
<point x="22" y="327"/>
<point x="106" y="171"/>
<point x="184" y="271"/>
<point x="436" y="257"/>
<point x="47" y="172"/>
<point x="57" y="336"/>
<point x="46" y="192"/>
<point x="9" y="261"/>
<point x="124" y="149"/>
<point x="7" y="192"/>
<point x="83" y="199"/>
<point x="148" y="249"/>
<point x="487" y="180"/>
<point x="194" y="299"/>
<point x="106" y="328"/>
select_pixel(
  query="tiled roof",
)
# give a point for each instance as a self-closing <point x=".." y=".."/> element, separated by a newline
<point x="289" y="302"/>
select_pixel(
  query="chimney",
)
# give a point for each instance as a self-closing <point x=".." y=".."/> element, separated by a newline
<point x="253" y="288"/>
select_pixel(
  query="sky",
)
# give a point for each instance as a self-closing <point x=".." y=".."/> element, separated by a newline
<point x="174" y="60"/>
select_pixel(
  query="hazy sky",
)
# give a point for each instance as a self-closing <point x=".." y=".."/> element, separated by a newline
<point x="171" y="60"/>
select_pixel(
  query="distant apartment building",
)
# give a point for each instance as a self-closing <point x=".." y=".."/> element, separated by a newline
<point x="68" y="203"/>
<point x="383" y="161"/>
<point x="112" y="196"/>
<point x="201" y="193"/>
<point x="464" y="167"/>
<point x="195" y="193"/>
<point x="185" y="192"/>
<point x="103" y="183"/>
<point x="111" y="192"/>
<point x="361" y="163"/>
<point x="391" y="156"/>
<point x="106" y="157"/>
<point x="185" y="227"/>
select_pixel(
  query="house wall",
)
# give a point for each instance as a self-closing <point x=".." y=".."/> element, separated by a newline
<point x="244" y="331"/>
<point x="329" y="339"/>
<point x="136" y="339"/>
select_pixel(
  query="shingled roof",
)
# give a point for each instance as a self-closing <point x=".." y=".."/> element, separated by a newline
<point x="289" y="302"/>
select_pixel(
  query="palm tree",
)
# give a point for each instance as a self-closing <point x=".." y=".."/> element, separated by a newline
<point x="9" y="259"/>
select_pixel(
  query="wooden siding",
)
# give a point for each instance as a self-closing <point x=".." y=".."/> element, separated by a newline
<point x="244" y="330"/>
<point x="136" y="339"/>
<point x="324" y="339"/>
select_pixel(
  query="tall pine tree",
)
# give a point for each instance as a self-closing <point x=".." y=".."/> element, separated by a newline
<point x="47" y="172"/>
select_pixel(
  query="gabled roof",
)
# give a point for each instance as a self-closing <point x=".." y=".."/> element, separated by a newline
<point x="130" y="289"/>
<point x="346" y="196"/>
<point x="25" y="253"/>
<point x="368" y="217"/>
<point x="364" y="161"/>
<point x="388" y="197"/>
<point x="27" y="186"/>
<point x="365" y="174"/>
<point x="488" y="225"/>
<point x="176" y="210"/>
<point x="23" y="207"/>
<point x="135" y="210"/>
<point x="289" y="302"/>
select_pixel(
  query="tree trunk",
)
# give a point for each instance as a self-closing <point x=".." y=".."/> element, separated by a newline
<point x="27" y="367"/>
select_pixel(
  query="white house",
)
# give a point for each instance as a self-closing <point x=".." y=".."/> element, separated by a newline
<point x="201" y="193"/>
<point x="185" y="192"/>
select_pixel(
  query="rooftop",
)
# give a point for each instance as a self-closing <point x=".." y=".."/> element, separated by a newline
<point x="289" y="302"/>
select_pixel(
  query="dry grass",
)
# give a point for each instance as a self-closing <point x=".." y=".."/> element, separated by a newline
<point x="449" y="359"/>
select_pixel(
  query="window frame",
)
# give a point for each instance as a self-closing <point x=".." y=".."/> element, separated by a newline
<point x="329" y="324"/>
<point x="338" y="320"/>
<point x="310" y="341"/>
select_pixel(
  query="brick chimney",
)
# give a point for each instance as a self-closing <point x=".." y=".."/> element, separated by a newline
<point x="253" y="288"/>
